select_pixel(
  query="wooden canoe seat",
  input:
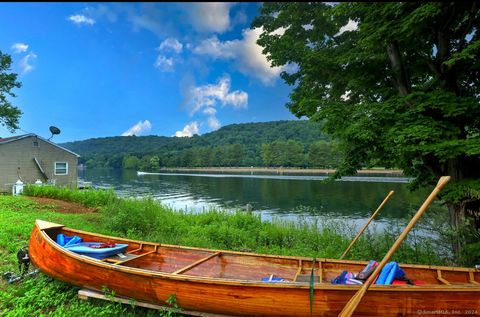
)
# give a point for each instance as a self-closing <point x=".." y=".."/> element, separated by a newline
<point x="305" y="277"/>
<point x="194" y="264"/>
<point x="129" y="256"/>
<point x="116" y="259"/>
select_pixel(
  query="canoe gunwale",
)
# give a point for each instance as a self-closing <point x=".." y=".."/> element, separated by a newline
<point x="242" y="282"/>
<point x="296" y="258"/>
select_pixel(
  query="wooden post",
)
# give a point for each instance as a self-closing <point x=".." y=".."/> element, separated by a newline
<point x="352" y="304"/>
<point x="368" y="223"/>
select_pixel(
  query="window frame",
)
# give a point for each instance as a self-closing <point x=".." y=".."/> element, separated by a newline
<point x="55" y="168"/>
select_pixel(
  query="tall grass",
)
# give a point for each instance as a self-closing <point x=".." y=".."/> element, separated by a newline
<point x="149" y="220"/>
<point x="86" y="197"/>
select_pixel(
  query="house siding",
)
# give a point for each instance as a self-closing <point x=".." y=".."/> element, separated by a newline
<point x="17" y="162"/>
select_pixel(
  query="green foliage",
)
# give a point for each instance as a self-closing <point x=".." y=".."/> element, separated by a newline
<point x="401" y="90"/>
<point x="465" y="190"/>
<point x="232" y="145"/>
<point x="149" y="220"/>
<point x="174" y="308"/>
<point x="131" y="162"/>
<point x="321" y="154"/>
<point x="9" y="114"/>
<point x="283" y="153"/>
<point x="86" y="197"/>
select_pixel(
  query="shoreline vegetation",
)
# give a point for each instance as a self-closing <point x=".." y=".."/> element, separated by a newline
<point x="148" y="220"/>
<point x="279" y="170"/>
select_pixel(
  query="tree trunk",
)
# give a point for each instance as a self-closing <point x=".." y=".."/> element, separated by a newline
<point x="457" y="213"/>
<point x="399" y="69"/>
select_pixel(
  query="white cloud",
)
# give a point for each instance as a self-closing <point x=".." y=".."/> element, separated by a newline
<point x="247" y="54"/>
<point x="138" y="128"/>
<point x="26" y="63"/>
<point x="213" y="123"/>
<point x="210" y="16"/>
<point x="101" y="11"/>
<point x="189" y="130"/>
<point x="209" y="95"/>
<point x="210" y="111"/>
<point x="164" y="64"/>
<point x="216" y="49"/>
<point x="80" y="19"/>
<point x="349" y="27"/>
<point x="19" y="47"/>
<point x="171" y="44"/>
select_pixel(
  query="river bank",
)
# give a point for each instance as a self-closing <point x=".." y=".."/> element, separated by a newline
<point x="280" y="170"/>
<point x="148" y="220"/>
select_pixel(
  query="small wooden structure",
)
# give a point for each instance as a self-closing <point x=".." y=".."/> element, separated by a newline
<point x="232" y="283"/>
<point x="86" y="294"/>
<point x="30" y="158"/>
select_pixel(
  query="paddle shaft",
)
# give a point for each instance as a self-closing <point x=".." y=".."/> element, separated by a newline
<point x="352" y="304"/>
<point x="368" y="223"/>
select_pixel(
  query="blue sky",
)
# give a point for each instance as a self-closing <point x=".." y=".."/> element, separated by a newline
<point x="97" y="70"/>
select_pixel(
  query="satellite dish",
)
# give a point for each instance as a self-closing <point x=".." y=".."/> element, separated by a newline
<point x="54" y="130"/>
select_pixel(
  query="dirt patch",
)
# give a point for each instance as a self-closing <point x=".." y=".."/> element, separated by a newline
<point x="65" y="207"/>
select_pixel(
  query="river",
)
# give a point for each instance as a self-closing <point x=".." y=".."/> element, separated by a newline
<point x="291" y="197"/>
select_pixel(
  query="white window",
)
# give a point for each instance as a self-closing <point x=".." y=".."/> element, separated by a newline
<point x="61" y="168"/>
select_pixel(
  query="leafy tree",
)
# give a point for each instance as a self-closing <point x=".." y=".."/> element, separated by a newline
<point x="233" y="145"/>
<point x="294" y="153"/>
<point x="401" y="90"/>
<point x="115" y="161"/>
<point x="131" y="162"/>
<point x="321" y="154"/>
<point x="154" y="163"/>
<point x="266" y="151"/>
<point x="9" y="114"/>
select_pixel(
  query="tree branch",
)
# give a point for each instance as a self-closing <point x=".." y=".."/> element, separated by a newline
<point x="398" y="67"/>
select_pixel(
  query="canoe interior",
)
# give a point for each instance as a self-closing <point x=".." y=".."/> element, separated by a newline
<point x="254" y="267"/>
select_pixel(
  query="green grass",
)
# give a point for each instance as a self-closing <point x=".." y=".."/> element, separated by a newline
<point x="87" y="197"/>
<point x="41" y="295"/>
<point x="148" y="220"/>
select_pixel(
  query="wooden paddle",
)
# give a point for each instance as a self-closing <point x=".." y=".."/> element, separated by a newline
<point x="368" y="223"/>
<point x="352" y="304"/>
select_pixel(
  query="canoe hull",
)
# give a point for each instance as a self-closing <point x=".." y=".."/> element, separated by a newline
<point x="242" y="297"/>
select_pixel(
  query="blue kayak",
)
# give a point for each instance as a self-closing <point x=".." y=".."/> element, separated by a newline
<point x="85" y="248"/>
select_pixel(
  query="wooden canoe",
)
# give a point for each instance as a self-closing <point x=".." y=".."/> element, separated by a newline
<point x="230" y="283"/>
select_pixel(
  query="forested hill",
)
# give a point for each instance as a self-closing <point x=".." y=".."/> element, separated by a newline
<point x="277" y="143"/>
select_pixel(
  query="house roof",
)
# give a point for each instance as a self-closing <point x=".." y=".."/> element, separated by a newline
<point x="20" y="137"/>
<point x="12" y="138"/>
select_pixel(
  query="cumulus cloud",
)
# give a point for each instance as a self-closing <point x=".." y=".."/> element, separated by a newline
<point x="164" y="64"/>
<point x="214" y="48"/>
<point x="19" y="48"/>
<point x="171" y="44"/>
<point x="213" y="123"/>
<point x="349" y="27"/>
<point x="139" y="128"/>
<point x="208" y="96"/>
<point x="189" y="130"/>
<point x="247" y="54"/>
<point x="26" y="63"/>
<point x="80" y="19"/>
<point x="210" y="16"/>
<point x="205" y="99"/>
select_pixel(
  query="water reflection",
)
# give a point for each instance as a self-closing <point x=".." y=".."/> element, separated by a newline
<point x="278" y="196"/>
